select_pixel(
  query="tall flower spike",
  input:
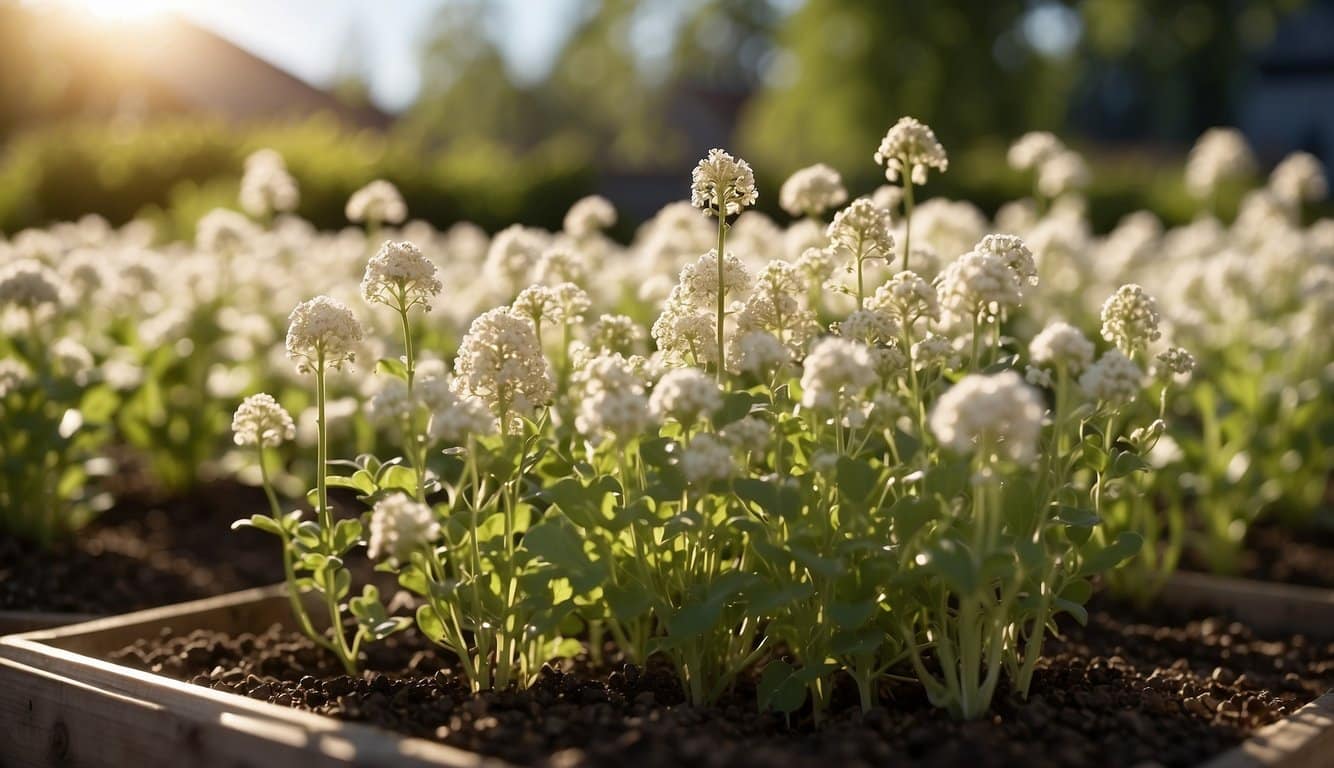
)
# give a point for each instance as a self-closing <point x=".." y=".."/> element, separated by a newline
<point x="722" y="183"/>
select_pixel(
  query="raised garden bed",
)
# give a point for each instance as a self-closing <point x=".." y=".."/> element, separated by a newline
<point x="1116" y="693"/>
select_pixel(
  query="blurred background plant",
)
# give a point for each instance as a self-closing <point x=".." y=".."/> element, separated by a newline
<point x="495" y="112"/>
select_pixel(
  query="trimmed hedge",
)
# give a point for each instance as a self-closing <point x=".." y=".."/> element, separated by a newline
<point x="173" y="170"/>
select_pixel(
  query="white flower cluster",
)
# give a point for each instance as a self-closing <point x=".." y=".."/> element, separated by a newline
<point x="1061" y="345"/>
<point x="379" y="202"/>
<point x="978" y="282"/>
<point x="1175" y="361"/>
<point x="400" y="526"/>
<point x="322" y="333"/>
<point x="907" y="297"/>
<point x="29" y="284"/>
<point x="14" y="375"/>
<point x="511" y="255"/>
<point x="1299" y="178"/>
<point x="589" y="216"/>
<point x="812" y="191"/>
<point x="862" y="229"/>
<point x="687" y="395"/>
<point x="1034" y="148"/>
<point x="836" y="369"/>
<point x="722" y="183"/>
<point x="261" y="421"/>
<point x="399" y="276"/>
<point x="501" y="363"/>
<point x="911" y="147"/>
<point x="1114" y="379"/>
<point x="707" y="458"/>
<point x="698" y="284"/>
<point x="266" y="186"/>
<point x="1130" y="318"/>
<point x="223" y="231"/>
<point x="997" y="413"/>
<point x="1220" y="154"/>
<point x="612" y="401"/>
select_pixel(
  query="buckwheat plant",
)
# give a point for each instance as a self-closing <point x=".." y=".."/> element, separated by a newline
<point x="909" y="148"/>
<point x="320" y="338"/>
<point x="55" y="411"/>
<point x="722" y="186"/>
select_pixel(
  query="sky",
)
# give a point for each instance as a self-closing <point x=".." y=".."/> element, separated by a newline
<point x="308" y="37"/>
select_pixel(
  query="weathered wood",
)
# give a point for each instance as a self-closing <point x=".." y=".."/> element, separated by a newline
<point x="1267" y="607"/>
<point x="13" y="622"/>
<point x="60" y="704"/>
<point x="1304" y="739"/>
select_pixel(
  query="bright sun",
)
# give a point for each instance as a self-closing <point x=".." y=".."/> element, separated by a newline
<point x="124" y="10"/>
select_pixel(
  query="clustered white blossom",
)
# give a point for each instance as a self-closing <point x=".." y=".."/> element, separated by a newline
<point x="612" y="401"/>
<point x="400" y="526"/>
<point x="707" y="458"/>
<point x="1034" y="148"/>
<point x="1175" y="361"/>
<point x="1299" y="178"/>
<point x="722" y="183"/>
<point x="399" y="276"/>
<point x="1061" y="345"/>
<point x="834" y="370"/>
<point x="588" y="216"/>
<point x="979" y="282"/>
<point x="862" y="228"/>
<point x="1114" y="378"/>
<point x="322" y="332"/>
<point x="910" y="147"/>
<point x="261" y="421"/>
<point x="1220" y="154"/>
<point x="501" y="363"/>
<point x="266" y="186"/>
<point x="997" y="413"/>
<point x="29" y="284"/>
<point x="224" y="231"/>
<point x="811" y="191"/>
<point x="687" y="395"/>
<point x="1130" y="318"/>
<point x="14" y="375"/>
<point x="379" y="202"/>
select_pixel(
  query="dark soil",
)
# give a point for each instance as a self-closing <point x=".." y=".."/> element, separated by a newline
<point x="1115" y="693"/>
<point x="1279" y="553"/>
<point x="145" y="552"/>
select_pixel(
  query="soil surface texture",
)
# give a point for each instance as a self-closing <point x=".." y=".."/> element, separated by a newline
<point x="1115" y="693"/>
<point x="1281" y="554"/>
<point x="145" y="552"/>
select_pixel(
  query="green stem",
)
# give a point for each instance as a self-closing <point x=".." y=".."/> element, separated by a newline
<point x="907" y="217"/>
<point x="722" y="294"/>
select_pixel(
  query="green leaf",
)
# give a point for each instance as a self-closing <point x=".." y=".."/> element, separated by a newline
<point x="1077" y="517"/>
<point x="779" y="689"/>
<point x="346" y="535"/>
<point x="557" y="542"/>
<point x="1076" y="610"/>
<point x="736" y="406"/>
<point x="856" y="480"/>
<point x="393" y="367"/>
<point x="627" y="602"/>
<point x="910" y="514"/>
<point x="1125" y="546"/>
<point x="360" y="481"/>
<point x="951" y="561"/>
<point x="428" y="621"/>
<point x="1094" y="455"/>
<point x="262" y="522"/>
<point x="1127" y="462"/>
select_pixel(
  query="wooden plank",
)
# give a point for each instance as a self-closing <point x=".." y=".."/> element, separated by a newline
<point x="1304" y="739"/>
<point x="1266" y="606"/>
<point x="61" y="704"/>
